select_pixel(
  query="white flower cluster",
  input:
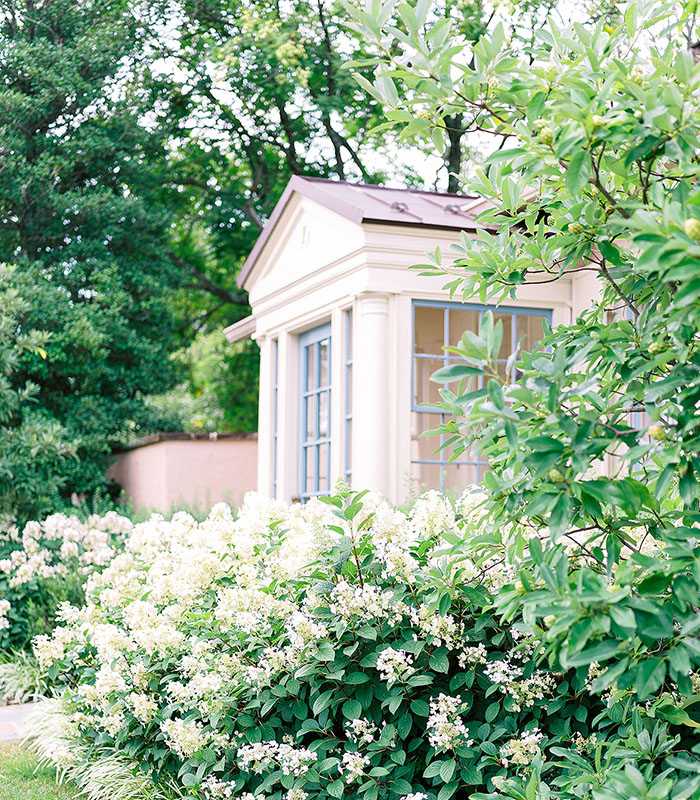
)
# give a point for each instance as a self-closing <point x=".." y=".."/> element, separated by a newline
<point x="184" y="738"/>
<point x="4" y="610"/>
<point x="361" y="731"/>
<point x="432" y="515"/>
<point x="584" y="744"/>
<point x="353" y="766"/>
<point x="444" y="630"/>
<point x="213" y="788"/>
<point x="415" y="796"/>
<point x="365" y="603"/>
<point x="472" y="655"/>
<point x="267" y="755"/>
<point x="445" y="727"/>
<point x="60" y="544"/>
<point x="395" y="665"/>
<point x="525" y="692"/>
<point x="523" y="750"/>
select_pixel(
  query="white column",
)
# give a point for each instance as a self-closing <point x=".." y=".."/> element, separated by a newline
<point x="265" y="414"/>
<point x="288" y="416"/>
<point x="337" y="395"/>
<point x="371" y="415"/>
<point x="402" y="347"/>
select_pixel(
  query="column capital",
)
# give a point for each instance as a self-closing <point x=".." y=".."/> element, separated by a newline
<point x="373" y="302"/>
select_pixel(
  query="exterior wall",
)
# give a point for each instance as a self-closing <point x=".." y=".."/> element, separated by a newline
<point x="314" y="267"/>
<point x="197" y="473"/>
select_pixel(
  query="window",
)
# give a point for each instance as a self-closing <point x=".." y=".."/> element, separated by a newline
<point x="315" y="412"/>
<point x="275" y="412"/>
<point x="347" y="471"/>
<point x="436" y="325"/>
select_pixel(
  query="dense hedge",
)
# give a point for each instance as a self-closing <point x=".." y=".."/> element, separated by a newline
<point x="339" y="649"/>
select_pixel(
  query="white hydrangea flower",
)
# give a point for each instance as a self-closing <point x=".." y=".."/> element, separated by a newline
<point x="445" y="727"/>
<point x="521" y="751"/>
<point x="290" y="760"/>
<point x="361" y="731"/>
<point x="4" y="610"/>
<point x="365" y="603"/>
<point x="394" y="665"/>
<point x="432" y="515"/>
<point x="353" y="766"/>
<point x="184" y="738"/>
<point x="525" y="692"/>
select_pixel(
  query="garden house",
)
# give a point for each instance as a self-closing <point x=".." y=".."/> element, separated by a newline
<point x="349" y="336"/>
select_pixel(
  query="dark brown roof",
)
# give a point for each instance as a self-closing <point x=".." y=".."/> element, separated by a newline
<point x="362" y="202"/>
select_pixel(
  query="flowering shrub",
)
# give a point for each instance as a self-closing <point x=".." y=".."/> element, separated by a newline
<point x="333" y="649"/>
<point x="48" y="562"/>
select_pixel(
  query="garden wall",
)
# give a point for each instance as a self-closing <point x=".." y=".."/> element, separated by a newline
<point x="167" y="470"/>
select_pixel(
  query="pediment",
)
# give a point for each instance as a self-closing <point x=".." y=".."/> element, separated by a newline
<point x="306" y="237"/>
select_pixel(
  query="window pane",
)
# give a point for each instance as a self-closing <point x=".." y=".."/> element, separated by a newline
<point x="429" y="330"/>
<point x="310" y="426"/>
<point x="459" y="476"/>
<point x="323" y="374"/>
<point x="507" y="342"/>
<point x="423" y="447"/>
<point x="323" y="479"/>
<point x="462" y="320"/>
<point x="425" y="391"/>
<point x="427" y="476"/>
<point x="310" y="367"/>
<point x="529" y="327"/>
<point x="310" y="469"/>
<point x="348" y="391"/>
<point x="323" y="412"/>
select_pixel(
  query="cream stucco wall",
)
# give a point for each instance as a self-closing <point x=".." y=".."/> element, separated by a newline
<point x="317" y="264"/>
<point x="197" y="473"/>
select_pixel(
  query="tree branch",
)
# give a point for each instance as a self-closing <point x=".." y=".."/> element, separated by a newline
<point x="206" y="284"/>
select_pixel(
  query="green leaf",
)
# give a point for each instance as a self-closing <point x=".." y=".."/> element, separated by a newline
<point x="322" y="702"/>
<point x="579" y="171"/>
<point x="352" y="709"/>
<point x="650" y="676"/>
<point x="454" y="372"/>
<point x="447" y="770"/>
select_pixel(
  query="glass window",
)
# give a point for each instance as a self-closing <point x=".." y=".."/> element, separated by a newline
<point x="315" y="412"/>
<point x="436" y="326"/>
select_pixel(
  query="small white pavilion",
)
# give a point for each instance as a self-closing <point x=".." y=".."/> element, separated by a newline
<point x="349" y="336"/>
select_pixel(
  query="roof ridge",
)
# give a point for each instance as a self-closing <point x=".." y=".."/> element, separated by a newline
<point x="361" y="185"/>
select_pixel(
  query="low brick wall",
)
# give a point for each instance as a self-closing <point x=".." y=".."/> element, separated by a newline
<point x="170" y="470"/>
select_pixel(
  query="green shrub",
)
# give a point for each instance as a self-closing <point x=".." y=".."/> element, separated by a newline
<point x="47" y="565"/>
<point x="340" y="649"/>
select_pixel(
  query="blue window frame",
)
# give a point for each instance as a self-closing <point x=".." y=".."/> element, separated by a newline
<point x="348" y="397"/>
<point x="435" y="326"/>
<point x="315" y="412"/>
<point x="275" y="412"/>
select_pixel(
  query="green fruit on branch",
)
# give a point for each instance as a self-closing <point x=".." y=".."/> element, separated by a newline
<point x="656" y="347"/>
<point x="692" y="228"/>
<point x="658" y="433"/>
<point x="555" y="475"/>
<point x="576" y="228"/>
<point x="550" y="71"/>
<point x="546" y="135"/>
<point x="538" y="124"/>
